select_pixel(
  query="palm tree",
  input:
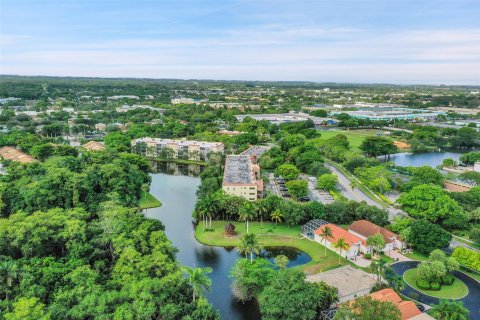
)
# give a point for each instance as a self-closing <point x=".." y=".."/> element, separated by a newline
<point x="247" y="212"/>
<point x="262" y="209"/>
<point x="198" y="280"/>
<point x="276" y="216"/>
<point x="341" y="245"/>
<point x="249" y="245"/>
<point x="379" y="267"/>
<point x="8" y="274"/>
<point x="450" y="310"/>
<point x="325" y="235"/>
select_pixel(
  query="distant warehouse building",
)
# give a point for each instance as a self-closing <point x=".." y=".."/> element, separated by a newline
<point x="176" y="149"/>
<point x="242" y="177"/>
<point x="389" y="114"/>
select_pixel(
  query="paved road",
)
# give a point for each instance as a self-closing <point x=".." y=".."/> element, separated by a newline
<point x="471" y="301"/>
<point x="346" y="189"/>
<point x="358" y="195"/>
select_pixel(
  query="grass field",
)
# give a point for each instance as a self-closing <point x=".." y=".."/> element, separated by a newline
<point x="271" y="236"/>
<point x="457" y="290"/>
<point x="355" y="137"/>
<point x="148" y="201"/>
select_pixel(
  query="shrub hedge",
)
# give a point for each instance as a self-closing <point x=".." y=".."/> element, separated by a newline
<point x="435" y="286"/>
<point x="423" y="284"/>
<point x="448" y="280"/>
<point x="467" y="257"/>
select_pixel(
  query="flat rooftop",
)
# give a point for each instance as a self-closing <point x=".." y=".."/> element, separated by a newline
<point x="238" y="170"/>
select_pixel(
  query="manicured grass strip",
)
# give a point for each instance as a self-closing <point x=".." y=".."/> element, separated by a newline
<point x="271" y="236"/>
<point x="148" y="201"/>
<point x="455" y="291"/>
<point x="465" y="241"/>
<point x="416" y="256"/>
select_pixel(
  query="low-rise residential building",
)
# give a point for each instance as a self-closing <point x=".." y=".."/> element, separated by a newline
<point x="356" y="243"/>
<point x="350" y="282"/>
<point x="188" y="101"/>
<point x="100" y="126"/>
<point x="176" y="149"/>
<point x="94" y="146"/>
<point x="364" y="229"/>
<point x="13" y="154"/>
<point x="408" y="309"/>
<point x="242" y="177"/>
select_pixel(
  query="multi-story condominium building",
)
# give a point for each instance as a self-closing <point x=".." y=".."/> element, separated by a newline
<point x="176" y="149"/>
<point x="242" y="177"/>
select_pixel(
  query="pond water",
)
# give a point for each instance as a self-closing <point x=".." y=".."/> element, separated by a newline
<point x="431" y="159"/>
<point x="177" y="193"/>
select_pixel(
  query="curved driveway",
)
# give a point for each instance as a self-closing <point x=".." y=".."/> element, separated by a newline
<point x="471" y="301"/>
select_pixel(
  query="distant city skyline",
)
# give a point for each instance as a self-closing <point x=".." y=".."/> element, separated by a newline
<point x="378" y="41"/>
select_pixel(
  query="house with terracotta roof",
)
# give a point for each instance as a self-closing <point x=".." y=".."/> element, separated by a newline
<point x="364" y="229"/>
<point x="408" y="309"/>
<point x="10" y="153"/>
<point x="356" y="243"/>
<point x="94" y="146"/>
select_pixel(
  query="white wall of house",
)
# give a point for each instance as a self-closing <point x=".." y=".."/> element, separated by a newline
<point x="352" y="251"/>
<point x="395" y="244"/>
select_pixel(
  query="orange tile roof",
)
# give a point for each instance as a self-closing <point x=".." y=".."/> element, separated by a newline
<point x="408" y="309"/>
<point x="10" y="153"/>
<point x="94" y="146"/>
<point x="338" y="233"/>
<point x="367" y="229"/>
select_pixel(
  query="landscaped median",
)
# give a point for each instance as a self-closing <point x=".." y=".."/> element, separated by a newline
<point x="272" y="236"/>
<point x="456" y="290"/>
<point x="148" y="201"/>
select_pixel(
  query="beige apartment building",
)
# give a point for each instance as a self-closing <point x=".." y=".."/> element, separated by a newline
<point x="176" y="149"/>
<point x="242" y="177"/>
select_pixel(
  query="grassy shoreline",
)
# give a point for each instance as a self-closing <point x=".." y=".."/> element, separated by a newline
<point x="457" y="290"/>
<point x="271" y="236"/>
<point x="148" y="201"/>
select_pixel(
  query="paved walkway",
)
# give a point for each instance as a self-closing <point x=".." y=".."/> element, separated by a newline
<point x="471" y="300"/>
<point x="394" y="254"/>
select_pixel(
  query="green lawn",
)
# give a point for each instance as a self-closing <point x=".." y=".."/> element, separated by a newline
<point x="415" y="255"/>
<point x="271" y="236"/>
<point x="355" y="137"/>
<point x="148" y="201"/>
<point x="456" y="291"/>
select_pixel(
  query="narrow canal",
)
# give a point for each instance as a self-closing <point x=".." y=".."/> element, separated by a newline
<point x="176" y="187"/>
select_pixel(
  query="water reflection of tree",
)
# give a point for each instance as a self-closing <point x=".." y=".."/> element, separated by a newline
<point x="208" y="255"/>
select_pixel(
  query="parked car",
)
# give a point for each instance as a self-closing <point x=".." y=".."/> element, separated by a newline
<point x="304" y="199"/>
<point x="286" y="195"/>
<point x="283" y="188"/>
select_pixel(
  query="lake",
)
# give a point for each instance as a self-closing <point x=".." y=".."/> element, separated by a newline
<point x="177" y="193"/>
<point x="431" y="159"/>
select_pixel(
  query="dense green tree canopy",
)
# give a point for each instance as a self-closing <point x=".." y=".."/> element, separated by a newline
<point x="288" y="296"/>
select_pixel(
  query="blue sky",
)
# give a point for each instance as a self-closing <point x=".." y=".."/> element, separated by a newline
<point x="395" y="41"/>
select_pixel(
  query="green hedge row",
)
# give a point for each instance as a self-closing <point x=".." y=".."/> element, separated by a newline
<point x="467" y="257"/>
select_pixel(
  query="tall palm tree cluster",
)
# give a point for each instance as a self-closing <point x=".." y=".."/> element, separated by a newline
<point x="211" y="207"/>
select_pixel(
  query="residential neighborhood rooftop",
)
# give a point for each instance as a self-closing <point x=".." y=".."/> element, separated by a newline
<point x="367" y="229"/>
<point x="238" y="170"/>
<point x="347" y="280"/>
<point x="338" y="233"/>
<point x="94" y="146"/>
<point x="10" y="153"/>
